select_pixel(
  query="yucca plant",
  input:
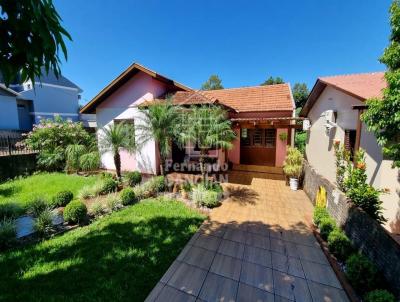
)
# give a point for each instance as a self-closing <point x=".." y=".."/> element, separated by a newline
<point x="116" y="137"/>
<point x="293" y="164"/>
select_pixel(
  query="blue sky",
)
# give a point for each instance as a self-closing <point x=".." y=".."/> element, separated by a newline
<point x="244" y="42"/>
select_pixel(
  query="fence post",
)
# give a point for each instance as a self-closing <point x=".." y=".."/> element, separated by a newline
<point x="9" y="145"/>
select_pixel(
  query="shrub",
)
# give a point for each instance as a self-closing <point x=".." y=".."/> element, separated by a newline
<point x="97" y="209"/>
<point x="293" y="164"/>
<point x="113" y="202"/>
<point x="319" y="213"/>
<point x="86" y="192"/>
<point x="44" y="222"/>
<point x="62" y="198"/>
<point x="339" y="244"/>
<point x="187" y="186"/>
<point x="379" y="295"/>
<point x="326" y="226"/>
<point x="133" y="178"/>
<point x="361" y="273"/>
<point x="156" y="184"/>
<point x="37" y="206"/>
<point x="127" y="196"/>
<point x="9" y="210"/>
<point x="75" y="212"/>
<point x="8" y="233"/>
<point x="203" y="197"/>
<point x="105" y="175"/>
<point x="108" y="185"/>
<point x="141" y="192"/>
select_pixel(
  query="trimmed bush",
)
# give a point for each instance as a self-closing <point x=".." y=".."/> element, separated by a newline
<point x="326" y="226"/>
<point x="8" y="233"/>
<point x="133" y="178"/>
<point x="379" y="295"/>
<point x="75" y="211"/>
<point x="9" y="210"/>
<point x="127" y="196"/>
<point x="37" y="206"/>
<point x="361" y="273"/>
<point x="62" y="198"/>
<point x="44" y="222"/>
<point x="108" y="185"/>
<point x="319" y="213"/>
<point x="339" y="244"/>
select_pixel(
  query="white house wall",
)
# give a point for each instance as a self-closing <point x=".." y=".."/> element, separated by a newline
<point x="320" y="151"/>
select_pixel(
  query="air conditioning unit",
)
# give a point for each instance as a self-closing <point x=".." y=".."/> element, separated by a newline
<point x="306" y="125"/>
<point x="330" y="116"/>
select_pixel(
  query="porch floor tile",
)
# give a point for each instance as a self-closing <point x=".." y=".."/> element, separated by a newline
<point x="257" y="246"/>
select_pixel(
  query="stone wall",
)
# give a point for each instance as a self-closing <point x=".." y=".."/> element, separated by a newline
<point x="366" y="234"/>
<point x="16" y="165"/>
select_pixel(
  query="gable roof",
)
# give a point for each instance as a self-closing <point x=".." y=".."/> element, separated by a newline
<point x="122" y="79"/>
<point x="50" y="78"/>
<point x="244" y="99"/>
<point x="361" y="86"/>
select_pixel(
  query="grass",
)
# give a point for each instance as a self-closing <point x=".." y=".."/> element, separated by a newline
<point x="118" y="258"/>
<point x="21" y="191"/>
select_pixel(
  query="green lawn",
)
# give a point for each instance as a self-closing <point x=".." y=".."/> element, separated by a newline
<point x="117" y="258"/>
<point x="21" y="191"/>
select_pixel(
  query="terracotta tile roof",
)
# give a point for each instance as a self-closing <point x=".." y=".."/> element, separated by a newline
<point x="362" y="85"/>
<point x="244" y="99"/>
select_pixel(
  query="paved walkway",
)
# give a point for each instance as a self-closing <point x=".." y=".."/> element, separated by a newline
<point x="255" y="247"/>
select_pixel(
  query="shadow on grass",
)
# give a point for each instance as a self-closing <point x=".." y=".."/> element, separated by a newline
<point x="117" y="262"/>
<point x="9" y="190"/>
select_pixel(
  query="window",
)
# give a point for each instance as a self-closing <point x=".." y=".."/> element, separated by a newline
<point x="270" y="137"/>
<point x="257" y="137"/>
<point x="350" y="141"/>
<point x="245" y="137"/>
<point x="129" y="122"/>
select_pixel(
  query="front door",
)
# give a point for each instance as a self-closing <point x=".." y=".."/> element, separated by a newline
<point x="257" y="146"/>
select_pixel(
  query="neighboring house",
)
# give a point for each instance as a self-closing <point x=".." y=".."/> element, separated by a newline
<point x="259" y="114"/>
<point x="333" y="108"/>
<point x="23" y="105"/>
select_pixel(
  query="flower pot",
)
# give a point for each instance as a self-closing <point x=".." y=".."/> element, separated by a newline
<point x="294" y="184"/>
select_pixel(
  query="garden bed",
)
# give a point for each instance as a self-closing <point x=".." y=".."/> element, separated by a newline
<point x="118" y="257"/>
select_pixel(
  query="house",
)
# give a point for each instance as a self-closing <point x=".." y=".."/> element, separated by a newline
<point x="262" y="117"/>
<point x="22" y="105"/>
<point x="333" y="109"/>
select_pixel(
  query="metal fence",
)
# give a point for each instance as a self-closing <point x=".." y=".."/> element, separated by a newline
<point x="12" y="143"/>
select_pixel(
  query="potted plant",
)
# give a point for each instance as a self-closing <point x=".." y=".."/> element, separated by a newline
<point x="293" y="166"/>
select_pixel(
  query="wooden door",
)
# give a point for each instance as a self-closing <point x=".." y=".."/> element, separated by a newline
<point x="257" y="146"/>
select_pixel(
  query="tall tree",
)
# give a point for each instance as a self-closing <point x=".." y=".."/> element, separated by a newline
<point x="159" y="122"/>
<point x="213" y="83"/>
<point x="208" y="128"/>
<point x="300" y="94"/>
<point x="31" y="36"/>
<point x="115" y="138"/>
<point x="271" y="81"/>
<point x="383" y="116"/>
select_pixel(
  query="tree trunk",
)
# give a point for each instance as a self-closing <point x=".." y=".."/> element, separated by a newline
<point x="202" y="168"/>
<point x="117" y="163"/>
<point x="162" y="160"/>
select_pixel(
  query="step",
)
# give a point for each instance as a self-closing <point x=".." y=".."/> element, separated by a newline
<point x="258" y="168"/>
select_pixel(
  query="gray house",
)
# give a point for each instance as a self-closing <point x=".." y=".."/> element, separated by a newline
<point x="22" y="105"/>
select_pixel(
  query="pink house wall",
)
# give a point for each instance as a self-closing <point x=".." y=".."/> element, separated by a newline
<point x="280" y="147"/>
<point x="141" y="87"/>
<point x="234" y="153"/>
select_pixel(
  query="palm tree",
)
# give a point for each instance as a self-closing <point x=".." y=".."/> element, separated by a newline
<point x="115" y="137"/>
<point x="208" y="128"/>
<point x="159" y="122"/>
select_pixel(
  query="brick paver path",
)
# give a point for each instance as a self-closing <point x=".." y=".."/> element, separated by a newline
<point x="256" y="247"/>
